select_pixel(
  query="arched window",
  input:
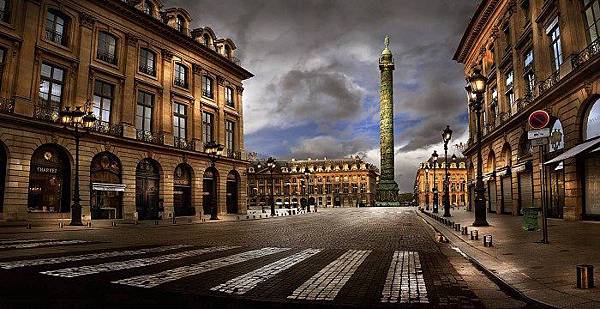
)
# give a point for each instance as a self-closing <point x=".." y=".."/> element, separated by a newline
<point x="557" y="139"/>
<point x="229" y="96"/>
<point x="592" y="122"/>
<point x="49" y="177"/>
<point x="105" y="180"/>
<point x="180" y="23"/>
<point x="56" y="27"/>
<point x="180" y="75"/>
<point x="207" y="87"/>
<point x="147" y="63"/>
<point x="206" y="37"/>
<point x="227" y="51"/>
<point x="107" y="47"/>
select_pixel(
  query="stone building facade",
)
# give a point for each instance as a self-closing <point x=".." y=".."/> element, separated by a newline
<point x="349" y="182"/>
<point x="537" y="55"/>
<point x="425" y="182"/>
<point x="159" y="91"/>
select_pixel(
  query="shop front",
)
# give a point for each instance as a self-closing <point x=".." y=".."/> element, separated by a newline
<point x="182" y="191"/>
<point x="49" y="181"/>
<point x="106" y="187"/>
<point x="147" y="185"/>
<point x="232" y="193"/>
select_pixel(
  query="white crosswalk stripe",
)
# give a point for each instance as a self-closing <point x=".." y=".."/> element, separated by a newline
<point x="153" y="280"/>
<point x="83" y="257"/>
<point x="129" y="264"/>
<point x="244" y="283"/>
<point x="327" y="283"/>
<point x="15" y="241"/>
<point x="27" y="245"/>
<point x="405" y="282"/>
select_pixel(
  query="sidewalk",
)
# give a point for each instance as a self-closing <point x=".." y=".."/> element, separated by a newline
<point x="53" y="225"/>
<point x="542" y="272"/>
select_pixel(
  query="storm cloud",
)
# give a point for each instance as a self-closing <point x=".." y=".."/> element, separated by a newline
<point x="316" y="87"/>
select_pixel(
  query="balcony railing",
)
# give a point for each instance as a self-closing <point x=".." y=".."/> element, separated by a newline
<point x="7" y="106"/>
<point x="591" y="51"/>
<point x="46" y="111"/>
<point x="108" y="129"/>
<point x="106" y="57"/>
<point x="180" y="82"/>
<point x="182" y="143"/>
<point x="150" y="137"/>
<point x="549" y="82"/>
<point x="147" y="69"/>
<point x="55" y="36"/>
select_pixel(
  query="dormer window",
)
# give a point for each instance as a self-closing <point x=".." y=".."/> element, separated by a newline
<point x="180" y="77"/>
<point x="206" y="38"/>
<point x="148" y="7"/>
<point x="179" y="24"/>
<point x="227" y="51"/>
<point x="56" y="27"/>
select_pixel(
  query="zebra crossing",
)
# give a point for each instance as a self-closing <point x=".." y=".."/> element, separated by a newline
<point x="404" y="281"/>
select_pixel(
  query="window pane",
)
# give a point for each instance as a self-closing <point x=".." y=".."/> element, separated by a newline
<point x="57" y="74"/>
<point x="46" y="70"/>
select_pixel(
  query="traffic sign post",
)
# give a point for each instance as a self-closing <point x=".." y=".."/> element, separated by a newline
<point x="539" y="119"/>
<point x="535" y="134"/>
<point x="539" y="136"/>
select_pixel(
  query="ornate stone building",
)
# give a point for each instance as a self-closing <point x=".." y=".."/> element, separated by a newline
<point x="159" y="91"/>
<point x="425" y="185"/>
<point x="330" y="183"/>
<point x="537" y="55"/>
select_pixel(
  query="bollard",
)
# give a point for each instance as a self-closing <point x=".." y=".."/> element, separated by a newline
<point x="487" y="240"/>
<point x="474" y="235"/>
<point x="114" y="223"/>
<point x="441" y="238"/>
<point x="463" y="230"/>
<point x="61" y="224"/>
<point x="457" y="227"/>
<point x="174" y="220"/>
<point x="89" y="224"/>
<point x="450" y="223"/>
<point x="155" y="222"/>
<point x="585" y="276"/>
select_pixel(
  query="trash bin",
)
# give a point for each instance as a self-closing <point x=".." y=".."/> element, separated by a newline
<point x="530" y="219"/>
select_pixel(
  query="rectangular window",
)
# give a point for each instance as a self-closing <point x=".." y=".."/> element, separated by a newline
<point x="179" y="121"/>
<point x="180" y="75"/>
<point x="51" y="85"/>
<point x="507" y="40"/>
<point x="56" y="27"/>
<point x="207" y="87"/>
<point x="229" y="136"/>
<point x="207" y="127"/>
<point x="553" y="32"/>
<point x="510" y="94"/>
<point x="2" y="60"/>
<point x="103" y="98"/>
<point x="592" y="18"/>
<point x="529" y="74"/>
<point x="229" y="96"/>
<point x="147" y="62"/>
<point x="5" y="10"/>
<point x="143" y="115"/>
<point x="107" y="47"/>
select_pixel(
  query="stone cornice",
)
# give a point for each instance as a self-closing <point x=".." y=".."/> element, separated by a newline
<point x="478" y="22"/>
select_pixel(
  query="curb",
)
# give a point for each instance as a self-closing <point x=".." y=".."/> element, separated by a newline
<point x="512" y="291"/>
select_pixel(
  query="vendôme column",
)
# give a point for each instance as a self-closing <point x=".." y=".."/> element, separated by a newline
<point x="387" y="192"/>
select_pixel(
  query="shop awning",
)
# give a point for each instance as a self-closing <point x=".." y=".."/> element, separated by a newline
<point x="576" y="151"/>
<point x="115" y="187"/>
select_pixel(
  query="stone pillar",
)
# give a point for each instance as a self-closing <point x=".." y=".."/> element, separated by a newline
<point x="128" y="103"/>
<point x="388" y="188"/>
<point x="196" y="124"/>
<point x="85" y="54"/>
<point x="163" y="112"/>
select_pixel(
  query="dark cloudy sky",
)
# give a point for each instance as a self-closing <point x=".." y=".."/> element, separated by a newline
<point x="316" y="88"/>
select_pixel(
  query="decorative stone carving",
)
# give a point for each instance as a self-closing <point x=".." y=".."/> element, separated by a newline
<point x="220" y="80"/>
<point x="166" y="55"/>
<point x="196" y="68"/>
<point x="132" y="40"/>
<point x="588" y="88"/>
<point x="239" y="89"/>
<point x="87" y="20"/>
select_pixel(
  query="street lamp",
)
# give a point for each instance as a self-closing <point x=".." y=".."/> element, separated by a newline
<point x="446" y="136"/>
<point x="78" y="123"/>
<point x="306" y="184"/>
<point x="214" y="151"/>
<point x="436" y="203"/>
<point x="271" y="166"/>
<point x="427" y="186"/>
<point x="475" y="90"/>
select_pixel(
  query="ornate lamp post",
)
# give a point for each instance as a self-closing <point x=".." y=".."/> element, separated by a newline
<point x="78" y="123"/>
<point x="271" y="163"/>
<point x="436" y="202"/>
<point x="446" y="136"/>
<point x="475" y="89"/>
<point x="214" y="151"/>
<point x="427" y="186"/>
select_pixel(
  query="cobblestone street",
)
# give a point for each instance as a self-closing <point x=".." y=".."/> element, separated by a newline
<point x="367" y="257"/>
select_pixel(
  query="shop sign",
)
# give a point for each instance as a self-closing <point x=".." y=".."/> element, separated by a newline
<point x="46" y="170"/>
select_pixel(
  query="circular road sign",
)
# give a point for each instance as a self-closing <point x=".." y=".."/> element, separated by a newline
<point x="539" y="119"/>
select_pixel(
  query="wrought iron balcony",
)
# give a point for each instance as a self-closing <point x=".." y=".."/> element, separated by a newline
<point x="590" y="52"/>
<point x="55" y="36"/>
<point x="549" y="82"/>
<point x="47" y="111"/>
<point x="108" y="129"/>
<point x="7" y="106"/>
<point x="106" y="57"/>
<point x="147" y="69"/>
<point x="182" y="143"/>
<point x="150" y="137"/>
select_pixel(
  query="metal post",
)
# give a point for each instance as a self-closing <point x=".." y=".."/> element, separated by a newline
<point x="213" y="200"/>
<point x="426" y="190"/>
<point x="272" y="189"/>
<point x="76" y="207"/>
<point x="436" y="199"/>
<point x="480" y="215"/>
<point x="543" y="197"/>
<point x="446" y="182"/>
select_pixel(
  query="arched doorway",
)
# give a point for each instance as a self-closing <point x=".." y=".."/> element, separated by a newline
<point x="232" y="192"/>
<point x="182" y="191"/>
<point x="105" y="182"/>
<point x="3" y="162"/>
<point x="555" y="174"/>
<point x="147" y="186"/>
<point x="506" y="181"/>
<point x="591" y="170"/>
<point x="209" y="185"/>
<point x="49" y="180"/>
